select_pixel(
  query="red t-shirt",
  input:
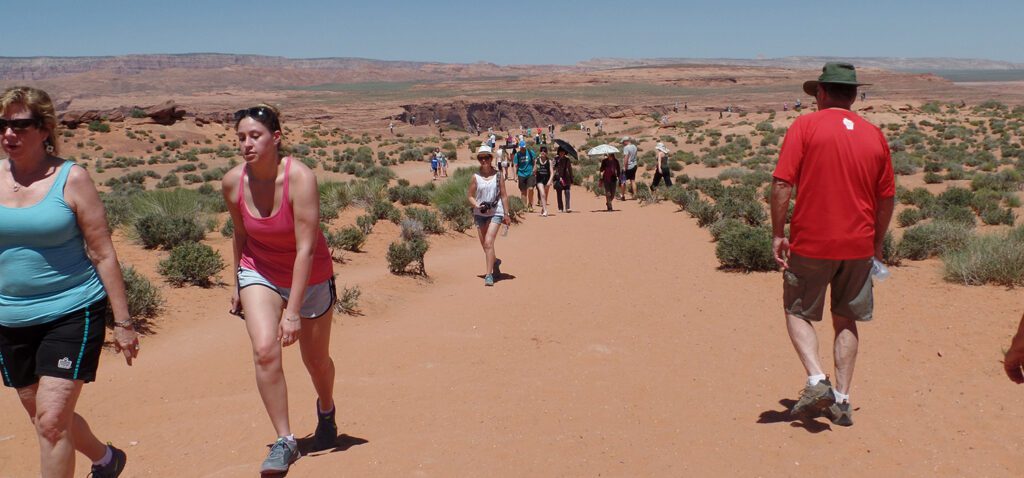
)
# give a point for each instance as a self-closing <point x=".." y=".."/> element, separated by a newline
<point x="840" y="165"/>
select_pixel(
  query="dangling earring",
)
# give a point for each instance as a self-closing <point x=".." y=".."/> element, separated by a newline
<point x="49" y="146"/>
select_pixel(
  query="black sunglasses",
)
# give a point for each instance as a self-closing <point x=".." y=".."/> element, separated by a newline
<point x="259" y="113"/>
<point x="20" y="124"/>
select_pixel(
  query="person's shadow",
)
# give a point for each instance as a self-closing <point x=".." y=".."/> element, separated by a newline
<point x="796" y="421"/>
<point x="341" y="443"/>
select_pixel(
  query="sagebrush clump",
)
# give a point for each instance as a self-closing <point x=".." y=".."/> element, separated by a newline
<point x="192" y="263"/>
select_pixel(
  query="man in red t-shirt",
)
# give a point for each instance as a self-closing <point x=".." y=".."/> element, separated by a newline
<point x="842" y="170"/>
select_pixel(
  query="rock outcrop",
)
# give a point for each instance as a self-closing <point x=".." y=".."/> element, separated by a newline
<point x="505" y="115"/>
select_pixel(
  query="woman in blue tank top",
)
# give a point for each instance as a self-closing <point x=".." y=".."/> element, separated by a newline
<point x="57" y="270"/>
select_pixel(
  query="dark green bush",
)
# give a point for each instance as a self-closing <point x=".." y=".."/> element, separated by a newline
<point x="349" y="238"/>
<point x="705" y="212"/>
<point x="365" y="223"/>
<point x="430" y="220"/>
<point x="144" y="299"/>
<point x="997" y="215"/>
<point x="933" y="239"/>
<point x="156" y="230"/>
<point x="228" y="229"/>
<point x="723" y="225"/>
<point x="908" y="217"/>
<point x="933" y="178"/>
<point x="746" y="248"/>
<point x="403" y="254"/>
<point x="957" y="214"/>
<point x="191" y="262"/>
<point x="406" y="195"/>
<point x="679" y="195"/>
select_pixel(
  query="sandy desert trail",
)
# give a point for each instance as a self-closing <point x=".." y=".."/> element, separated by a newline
<point x="617" y="349"/>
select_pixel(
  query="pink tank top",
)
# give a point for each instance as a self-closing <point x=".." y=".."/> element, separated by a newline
<point x="270" y="245"/>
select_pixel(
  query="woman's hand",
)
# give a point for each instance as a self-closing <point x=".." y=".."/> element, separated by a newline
<point x="126" y="340"/>
<point x="506" y="220"/>
<point x="288" y="329"/>
<point x="236" y="304"/>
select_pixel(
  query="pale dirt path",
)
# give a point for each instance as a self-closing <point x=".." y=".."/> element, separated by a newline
<point x="618" y="349"/>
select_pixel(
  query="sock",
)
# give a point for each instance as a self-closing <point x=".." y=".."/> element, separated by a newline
<point x="814" y="379"/>
<point x="321" y="411"/>
<point x="109" y="455"/>
<point x="290" y="439"/>
<point x="840" y="397"/>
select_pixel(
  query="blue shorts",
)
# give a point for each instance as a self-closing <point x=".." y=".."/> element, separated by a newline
<point x="481" y="221"/>
<point x="318" y="300"/>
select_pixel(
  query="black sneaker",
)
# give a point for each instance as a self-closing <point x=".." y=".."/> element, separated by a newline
<point x="326" y="434"/>
<point x="112" y="469"/>
<point x="497" y="267"/>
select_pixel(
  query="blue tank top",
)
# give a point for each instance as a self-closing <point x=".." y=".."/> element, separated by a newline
<point x="44" y="270"/>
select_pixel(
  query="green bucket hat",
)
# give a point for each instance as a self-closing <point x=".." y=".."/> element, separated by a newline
<point x="833" y="72"/>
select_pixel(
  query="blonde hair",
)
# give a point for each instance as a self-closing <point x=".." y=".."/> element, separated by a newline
<point x="41" y="106"/>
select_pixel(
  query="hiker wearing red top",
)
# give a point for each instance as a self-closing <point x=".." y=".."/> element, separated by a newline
<point x="842" y="170"/>
<point x="280" y="254"/>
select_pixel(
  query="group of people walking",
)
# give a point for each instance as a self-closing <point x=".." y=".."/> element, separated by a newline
<point x="59" y="277"/>
<point x="59" y="273"/>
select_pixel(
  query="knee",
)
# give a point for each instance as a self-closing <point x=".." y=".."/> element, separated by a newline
<point x="266" y="354"/>
<point x="488" y="245"/>
<point x="51" y="426"/>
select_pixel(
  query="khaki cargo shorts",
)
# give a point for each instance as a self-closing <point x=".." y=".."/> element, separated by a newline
<point x="804" y="283"/>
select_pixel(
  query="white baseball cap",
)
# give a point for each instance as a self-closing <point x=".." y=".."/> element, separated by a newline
<point x="484" y="149"/>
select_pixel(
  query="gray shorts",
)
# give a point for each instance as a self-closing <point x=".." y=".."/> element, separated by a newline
<point x="804" y="283"/>
<point x="318" y="300"/>
<point x="481" y="221"/>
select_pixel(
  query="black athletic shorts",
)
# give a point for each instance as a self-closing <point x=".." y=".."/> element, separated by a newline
<point x="68" y="347"/>
<point x="631" y="174"/>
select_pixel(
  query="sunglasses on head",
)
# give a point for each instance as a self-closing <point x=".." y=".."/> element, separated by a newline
<point x="20" y="124"/>
<point x="256" y="112"/>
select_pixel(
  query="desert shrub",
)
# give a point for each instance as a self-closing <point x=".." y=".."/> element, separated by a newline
<point x="746" y="248"/>
<point x="430" y="220"/>
<point x="334" y="198"/>
<point x="702" y="210"/>
<point x="955" y="214"/>
<point x="516" y="207"/>
<point x="644" y="194"/>
<point x="144" y="299"/>
<point x="908" y="217"/>
<point x="169" y="181"/>
<point x="919" y="197"/>
<point x="383" y="209"/>
<point x="679" y="195"/>
<point x="99" y="126"/>
<point x="349" y="238"/>
<point x="412" y="229"/>
<point x="228" y="229"/>
<point x="365" y="223"/>
<point x="741" y="203"/>
<point x="992" y="258"/>
<point x="365" y="193"/>
<point x="933" y="178"/>
<point x="450" y="199"/>
<point x="956" y="196"/>
<point x="933" y="239"/>
<point x="1007" y="181"/>
<point x="191" y="262"/>
<point x="406" y="194"/>
<point x="155" y="230"/>
<point x="348" y="300"/>
<point x="890" y="253"/>
<point x="723" y="225"/>
<point x="997" y="215"/>
<point x="402" y="254"/>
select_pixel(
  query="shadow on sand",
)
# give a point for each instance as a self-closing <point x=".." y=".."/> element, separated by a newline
<point x="342" y="443"/>
<point x="783" y="416"/>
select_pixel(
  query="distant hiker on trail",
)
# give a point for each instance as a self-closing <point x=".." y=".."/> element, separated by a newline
<point x="435" y="163"/>
<point x="610" y="172"/>
<point x="543" y="180"/>
<point x="629" y="158"/>
<point x="59" y="275"/>
<point x="842" y="170"/>
<point x="391" y="127"/>
<point x="661" y="169"/>
<point x="524" y="162"/>
<point x="442" y="163"/>
<point x="686" y="106"/>
<point x="284" y="285"/>
<point x="489" y="199"/>
<point x="503" y="160"/>
<point x="563" y="178"/>
<point x="1014" y="361"/>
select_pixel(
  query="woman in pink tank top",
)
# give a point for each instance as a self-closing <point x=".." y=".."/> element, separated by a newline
<point x="285" y="283"/>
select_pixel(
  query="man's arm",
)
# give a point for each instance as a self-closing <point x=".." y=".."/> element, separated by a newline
<point x="883" y="215"/>
<point x="781" y="192"/>
<point x="1015" y="356"/>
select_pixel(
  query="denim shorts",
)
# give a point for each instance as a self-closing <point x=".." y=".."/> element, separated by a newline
<point x="318" y="300"/>
<point x="481" y="221"/>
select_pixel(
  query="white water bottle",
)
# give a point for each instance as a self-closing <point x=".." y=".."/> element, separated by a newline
<point x="878" y="270"/>
<point x="505" y="232"/>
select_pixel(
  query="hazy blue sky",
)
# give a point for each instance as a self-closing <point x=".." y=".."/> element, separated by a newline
<point x="522" y="31"/>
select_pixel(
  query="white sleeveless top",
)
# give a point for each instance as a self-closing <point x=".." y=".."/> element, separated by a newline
<point x="487" y="191"/>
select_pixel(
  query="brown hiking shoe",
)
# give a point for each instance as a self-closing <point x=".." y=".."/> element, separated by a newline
<point x="814" y="399"/>
<point x="840" y="414"/>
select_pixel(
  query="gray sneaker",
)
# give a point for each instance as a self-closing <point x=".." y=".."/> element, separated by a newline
<point x="282" y="454"/>
<point x="840" y="414"/>
<point x="814" y="399"/>
<point x="488" y="280"/>
<point x="112" y="469"/>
